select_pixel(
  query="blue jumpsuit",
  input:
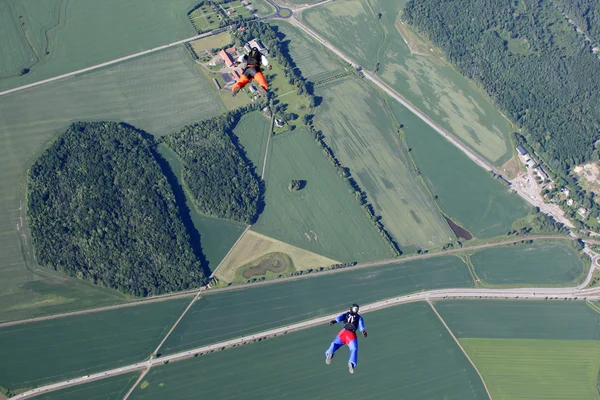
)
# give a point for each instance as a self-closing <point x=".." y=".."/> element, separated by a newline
<point x="347" y="337"/>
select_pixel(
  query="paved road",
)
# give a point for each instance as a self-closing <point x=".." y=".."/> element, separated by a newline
<point x="523" y="294"/>
<point x="292" y="278"/>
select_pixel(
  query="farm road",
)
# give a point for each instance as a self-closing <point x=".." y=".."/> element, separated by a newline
<point x="308" y="276"/>
<point x="574" y="293"/>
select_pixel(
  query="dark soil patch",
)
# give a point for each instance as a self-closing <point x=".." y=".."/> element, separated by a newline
<point x="459" y="230"/>
<point x="276" y="263"/>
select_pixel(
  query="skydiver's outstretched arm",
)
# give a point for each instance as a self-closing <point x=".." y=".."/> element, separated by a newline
<point x="338" y="319"/>
<point x="361" y="326"/>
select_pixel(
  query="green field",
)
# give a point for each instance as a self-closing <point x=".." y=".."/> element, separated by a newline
<point x="15" y="52"/>
<point x="204" y="18"/>
<point x="526" y="369"/>
<point x="408" y="353"/>
<point x="211" y="42"/>
<point x="421" y="77"/>
<point x="324" y="206"/>
<point x="549" y="263"/>
<point x="238" y="7"/>
<point x="513" y="319"/>
<point x="66" y="37"/>
<point x="252" y="132"/>
<point x="214" y="236"/>
<point x="113" y="388"/>
<point x="158" y="93"/>
<point x="359" y="128"/>
<point x="262" y="7"/>
<point x="466" y="192"/>
<point x="54" y="350"/>
<point x="217" y="317"/>
<point x="310" y="57"/>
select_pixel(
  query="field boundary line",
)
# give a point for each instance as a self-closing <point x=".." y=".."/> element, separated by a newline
<point x="264" y="167"/>
<point x="461" y="348"/>
<point x="136" y="383"/>
<point x="115" y="61"/>
<point x="212" y="275"/>
<point x="100" y="309"/>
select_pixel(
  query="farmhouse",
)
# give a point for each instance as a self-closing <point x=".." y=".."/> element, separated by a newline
<point x="252" y="89"/>
<point x="226" y="57"/>
<point x="582" y="211"/>
<point x="236" y="75"/>
<point x="258" y="44"/>
<point x="279" y="123"/>
<point x="522" y="150"/>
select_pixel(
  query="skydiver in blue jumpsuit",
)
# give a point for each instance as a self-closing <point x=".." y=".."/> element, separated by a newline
<point x="347" y="336"/>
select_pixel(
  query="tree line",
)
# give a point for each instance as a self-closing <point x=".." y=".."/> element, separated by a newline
<point x="528" y="59"/>
<point x="99" y="208"/>
<point x="585" y="14"/>
<point x="220" y="179"/>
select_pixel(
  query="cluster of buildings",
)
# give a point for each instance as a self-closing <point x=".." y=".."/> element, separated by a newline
<point x="230" y="55"/>
<point x="525" y="157"/>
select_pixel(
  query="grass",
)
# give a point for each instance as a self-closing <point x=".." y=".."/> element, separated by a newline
<point x="423" y="77"/>
<point x="262" y="7"/>
<point x="555" y="320"/>
<point x="74" y="40"/>
<point x="158" y="93"/>
<point x="252" y="132"/>
<point x="215" y="236"/>
<point x="408" y="351"/>
<point x="324" y="206"/>
<point x="548" y="263"/>
<point x="254" y="245"/>
<point x="238" y="7"/>
<point x="113" y="388"/>
<point x="211" y="42"/>
<point x="221" y="316"/>
<point x="55" y="350"/>
<point x="526" y="369"/>
<point x="360" y="129"/>
<point x="466" y="193"/>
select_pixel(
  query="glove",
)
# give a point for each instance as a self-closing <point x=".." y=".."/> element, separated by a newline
<point x="333" y="322"/>
<point x="365" y="333"/>
<point x="270" y="67"/>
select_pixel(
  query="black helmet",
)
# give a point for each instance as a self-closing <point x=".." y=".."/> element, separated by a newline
<point x="354" y="309"/>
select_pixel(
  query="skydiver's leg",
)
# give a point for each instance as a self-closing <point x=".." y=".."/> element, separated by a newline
<point x="240" y="84"/>
<point x="353" y="346"/>
<point x="336" y="344"/>
<point x="260" y="78"/>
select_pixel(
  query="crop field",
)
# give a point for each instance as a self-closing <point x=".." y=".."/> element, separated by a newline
<point x="418" y="73"/>
<point x="252" y="132"/>
<point x="204" y="18"/>
<point x="65" y="38"/>
<point x="549" y="263"/>
<point x="262" y="7"/>
<point x="314" y="61"/>
<point x="254" y="245"/>
<point x="15" y="53"/>
<point x="339" y="23"/>
<point x="359" y="127"/>
<point x="525" y="369"/>
<point x="211" y="42"/>
<point x="324" y="206"/>
<point x="54" y="350"/>
<point x="113" y="388"/>
<point x="212" y="236"/>
<point x="158" y="93"/>
<point x="513" y="319"/>
<point x="220" y="316"/>
<point x="408" y="351"/>
<point x="467" y="193"/>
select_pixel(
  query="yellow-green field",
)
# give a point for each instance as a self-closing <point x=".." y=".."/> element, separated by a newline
<point x="529" y="369"/>
<point x="361" y="131"/>
<point x="158" y="93"/>
<point x="253" y="245"/>
<point x="420" y="75"/>
<point x="211" y="42"/>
